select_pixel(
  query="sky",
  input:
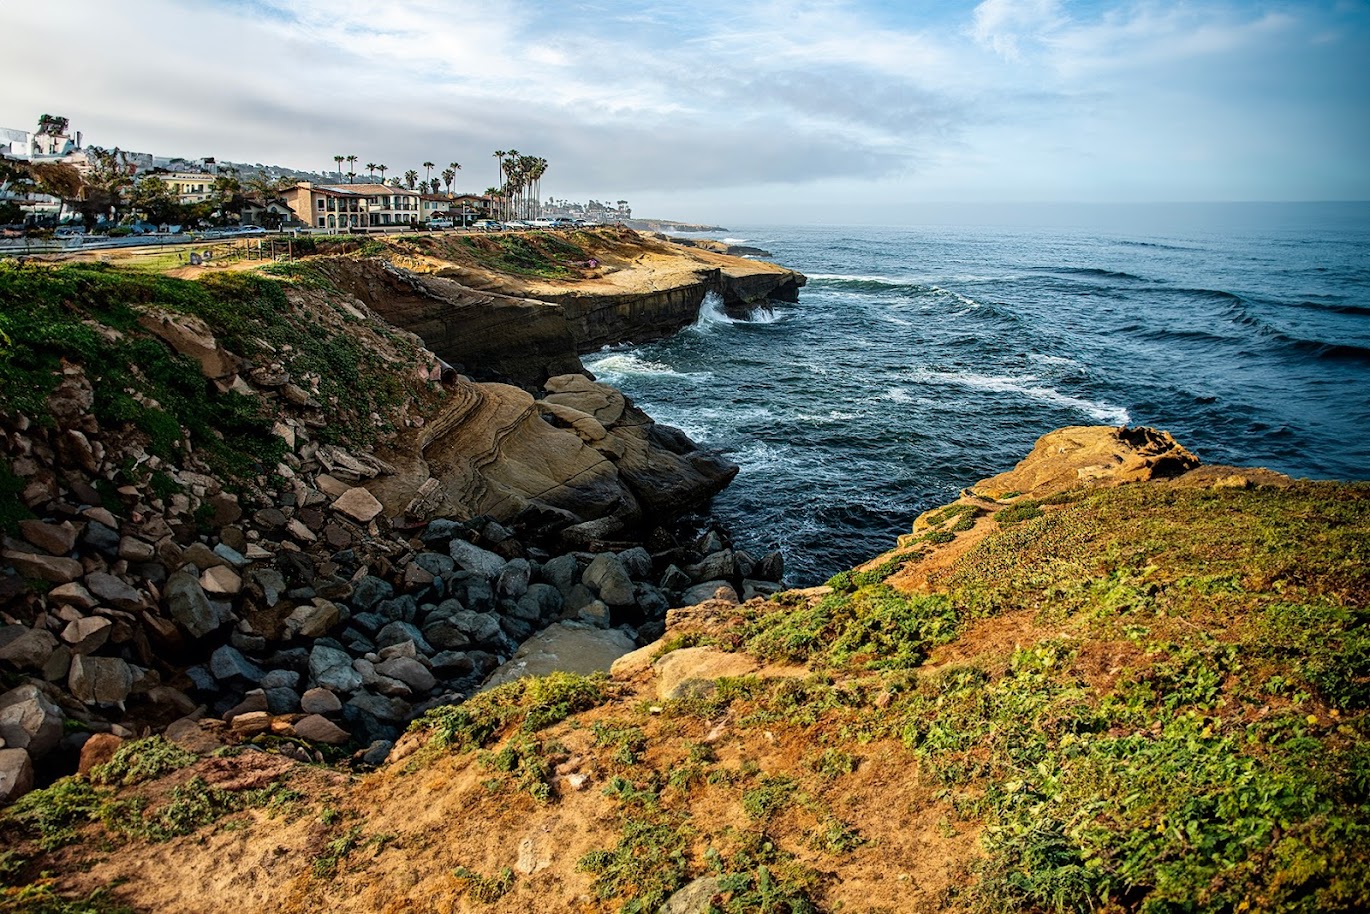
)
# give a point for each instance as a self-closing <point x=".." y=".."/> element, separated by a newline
<point x="774" y="110"/>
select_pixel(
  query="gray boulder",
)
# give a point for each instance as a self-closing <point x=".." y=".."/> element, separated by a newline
<point x="408" y="671"/>
<point x="100" y="680"/>
<point x="607" y="578"/>
<point x="470" y="557"/>
<point x="16" y="774"/>
<point x="562" y="572"/>
<point x="512" y="582"/>
<point x="188" y="605"/>
<point x="227" y="662"/>
<point x="332" y="669"/>
<point x="637" y="562"/>
<point x="30" y="720"/>
<point x="30" y="650"/>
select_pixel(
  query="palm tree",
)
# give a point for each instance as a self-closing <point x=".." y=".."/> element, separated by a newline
<point x="371" y="167"/>
<point x="500" y="154"/>
<point x="455" y="166"/>
<point x="351" y="169"/>
<point x="382" y="169"/>
<point x="428" y="171"/>
<point x="339" y="160"/>
<point x="513" y="164"/>
<point x="448" y="176"/>
<point x="411" y="177"/>
<point x="435" y="184"/>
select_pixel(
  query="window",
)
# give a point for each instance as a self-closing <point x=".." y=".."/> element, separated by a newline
<point x="321" y="217"/>
<point x="321" y="204"/>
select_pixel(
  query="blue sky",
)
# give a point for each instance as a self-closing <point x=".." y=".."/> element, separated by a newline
<point x="823" y="110"/>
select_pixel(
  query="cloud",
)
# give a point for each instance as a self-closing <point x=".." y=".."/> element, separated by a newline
<point x="627" y="96"/>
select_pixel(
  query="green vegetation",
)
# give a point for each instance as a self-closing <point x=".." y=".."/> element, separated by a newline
<point x="541" y="255"/>
<point x="523" y="761"/>
<point x="88" y="314"/>
<point x="531" y="703"/>
<point x="142" y="760"/>
<point x="650" y="861"/>
<point x="484" y="889"/>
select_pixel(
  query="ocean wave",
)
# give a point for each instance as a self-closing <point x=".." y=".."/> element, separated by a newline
<point x="1107" y="413"/>
<point x="957" y="296"/>
<point x="835" y="415"/>
<point x="734" y="240"/>
<point x="1241" y="314"/>
<point x="628" y="364"/>
<point x="711" y="314"/>
<point x="1327" y="307"/>
<point x="1096" y="272"/>
<point x="897" y="395"/>
<point x="1054" y="360"/>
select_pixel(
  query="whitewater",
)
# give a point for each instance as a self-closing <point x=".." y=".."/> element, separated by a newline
<point x="918" y="361"/>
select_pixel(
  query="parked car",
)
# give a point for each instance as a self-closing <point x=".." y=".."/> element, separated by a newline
<point x="440" y="223"/>
<point x="488" y="225"/>
<point x="69" y="231"/>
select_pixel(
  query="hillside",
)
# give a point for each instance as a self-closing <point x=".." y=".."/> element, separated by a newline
<point x="1108" y="680"/>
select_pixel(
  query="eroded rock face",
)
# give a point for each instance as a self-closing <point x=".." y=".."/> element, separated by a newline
<point x="1091" y="455"/>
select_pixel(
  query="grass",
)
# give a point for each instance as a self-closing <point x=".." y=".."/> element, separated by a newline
<point x="540" y="255"/>
<point x="484" y="889"/>
<point x="530" y="704"/>
<point x="88" y="314"/>
<point x="142" y="760"/>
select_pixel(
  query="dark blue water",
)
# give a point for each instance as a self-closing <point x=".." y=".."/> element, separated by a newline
<point x="921" y="360"/>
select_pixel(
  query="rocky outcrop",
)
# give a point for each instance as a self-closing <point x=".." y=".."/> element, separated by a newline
<point x="486" y="334"/>
<point x="1087" y="455"/>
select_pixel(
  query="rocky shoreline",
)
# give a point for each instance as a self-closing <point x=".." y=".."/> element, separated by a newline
<point x="351" y="586"/>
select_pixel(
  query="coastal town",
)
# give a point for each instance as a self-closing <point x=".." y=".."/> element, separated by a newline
<point x="52" y="186"/>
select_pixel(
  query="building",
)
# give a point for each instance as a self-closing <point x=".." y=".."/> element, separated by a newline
<point x="341" y="206"/>
<point x="189" y="186"/>
<point x="462" y="209"/>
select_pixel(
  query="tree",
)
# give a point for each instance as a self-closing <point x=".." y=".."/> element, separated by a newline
<point x="411" y="177"/>
<point x="339" y="160"/>
<point x="428" y="171"/>
<point x="455" y="166"/>
<point x="435" y="184"/>
<point x="500" y="154"/>
<point x="153" y="198"/>
<point x="227" y="195"/>
<point x="448" y="176"/>
<point x="103" y="185"/>
<point x="371" y="167"/>
<point x="382" y="169"/>
<point x="351" y="169"/>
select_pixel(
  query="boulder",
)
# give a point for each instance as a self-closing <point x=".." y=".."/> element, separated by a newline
<point x="115" y="592"/>
<point x="88" y="634"/>
<point x="606" y="576"/>
<point x="100" y="680"/>
<point x="319" y="729"/>
<point x="72" y="594"/>
<point x="358" y="504"/>
<point x="227" y="662"/>
<point x="313" y="620"/>
<point x="251" y="723"/>
<point x="30" y="650"/>
<point x="332" y="669"/>
<point x="43" y="567"/>
<point x="30" y="720"/>
<point x="408" y="671"/>
<point x="54" y="539"/>
<point x="16" y="774"/>
<point x="320" y="701"/>
<point x="566" y="646"/>
<point x="221" y="581"/>
<point x="709" y="590"/>
<point x="189" y="606"/>
<point x="695" y="898"/>
<point x="637" y="562"/>
<point x="97" y="751"/>
<point x="470" y="557"/>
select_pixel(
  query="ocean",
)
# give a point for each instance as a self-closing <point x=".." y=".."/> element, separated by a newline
<point x="919" y="360"/>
